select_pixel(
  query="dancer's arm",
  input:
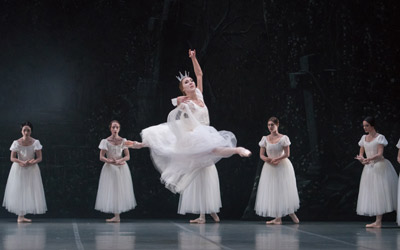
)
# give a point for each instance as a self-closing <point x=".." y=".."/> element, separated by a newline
<point x="262" y="155"/>
<point x="197" y="70"/>
<point x="378" y="156"/>
<point x="134" y="144"/>
<point x="124" y="159"/>
<point x="103" y="157"/>
<point x="38" y="158"/>
<point x="360" y="156"/>
<point x="13" y="158"/>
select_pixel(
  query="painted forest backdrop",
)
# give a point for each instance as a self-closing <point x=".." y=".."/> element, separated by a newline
<point x="70" y="67"/>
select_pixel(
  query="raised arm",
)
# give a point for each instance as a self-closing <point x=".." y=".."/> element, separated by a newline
<point x="197" y="69"/>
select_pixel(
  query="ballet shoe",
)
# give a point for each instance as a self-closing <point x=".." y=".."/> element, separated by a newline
<point x="113" y="220"/>
<point x="215" y="217"/>
<point x="24" y="220"/>
<point x="373" y="225"/>
<point x="198" y="221"/>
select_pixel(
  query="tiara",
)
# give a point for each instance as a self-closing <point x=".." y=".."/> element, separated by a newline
<point x="180" y="77"/>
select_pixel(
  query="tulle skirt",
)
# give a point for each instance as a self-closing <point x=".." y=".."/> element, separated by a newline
<point x="178" y="151"/>
<point x="378" y="189"/>
<point x="115" y="192"/>
<point x="24" y="191"/>
<point x="202" y="195"/>
<point x="277" y="191"/>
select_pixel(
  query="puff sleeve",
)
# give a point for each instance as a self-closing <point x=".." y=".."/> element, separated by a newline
<point x="361" y="142"/>
<point x="103" y="144"/>
<point x="382" y="140"/>
<point x="285" y="141"/>
<point x="262" y="142"/>
<point x="37" y="146"/>
<point x="14" y="146"/>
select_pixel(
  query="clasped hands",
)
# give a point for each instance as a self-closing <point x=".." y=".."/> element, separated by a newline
<point x="27" y="163"/>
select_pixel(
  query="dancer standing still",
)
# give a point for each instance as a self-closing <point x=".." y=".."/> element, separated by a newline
<point x="186" y="148"/>
<point x="24" y="190"/>
<point x="115" y="193"/>
<point x="277" y="192"/>
<point x="378" y="184"/>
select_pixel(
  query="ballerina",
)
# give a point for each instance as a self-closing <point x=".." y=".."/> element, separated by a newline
<point x="115" y="193"/>
<point x="24" y="190"/>
<point x="277" y="192"/>
<point x="186" y="148"/>
<point x="378" y="184"/>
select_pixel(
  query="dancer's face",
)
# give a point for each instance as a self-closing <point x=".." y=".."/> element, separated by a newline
<point x="272" y="127"/>
<point x="26" y="131"/>
<point x="114" y="128"/>
<point x="367" y="127"/>
<point x="188" y="85"/>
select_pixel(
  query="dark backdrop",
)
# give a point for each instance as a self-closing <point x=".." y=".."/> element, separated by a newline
<point x="70" y="67"/>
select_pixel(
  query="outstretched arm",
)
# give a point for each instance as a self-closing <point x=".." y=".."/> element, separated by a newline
<point x="197" y="70"/>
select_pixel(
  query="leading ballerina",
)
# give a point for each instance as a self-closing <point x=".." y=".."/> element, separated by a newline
<point x="185" y="148"/>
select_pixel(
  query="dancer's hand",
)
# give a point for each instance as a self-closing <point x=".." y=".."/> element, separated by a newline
<point x="192" y="53"/>
<point x="275" y="161"/>
<point x="120" y="162"/>
<point x="31" y="162"/>
<point x="182" y="99"/>
<point x="110" y="160"/>
<point x="23" y="163"/>
<point x="359" y="158"/>
<point x="134" y="144"/>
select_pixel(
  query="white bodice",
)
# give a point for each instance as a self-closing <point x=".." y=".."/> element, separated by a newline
<point x="113" y="151"/>
<point x="26" y="153"/>
<point x="371" y="148"/>
<point x="200" y="113"/>
<point x="274" y="150"/>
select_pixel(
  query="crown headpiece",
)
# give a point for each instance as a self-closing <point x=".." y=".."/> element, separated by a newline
<point x="180" y="77"/>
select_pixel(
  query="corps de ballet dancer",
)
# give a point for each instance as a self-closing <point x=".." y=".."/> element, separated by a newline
<point x="24" y="192"/>
<point x="115" y="192"/>
<point x="378" y="184"/>
<point x="277" y="194"/>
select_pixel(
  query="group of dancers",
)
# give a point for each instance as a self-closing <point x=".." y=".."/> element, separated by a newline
<point x="184" y="150"/>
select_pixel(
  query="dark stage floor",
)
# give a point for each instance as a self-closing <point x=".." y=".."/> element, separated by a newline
<point x="163" y="234"/>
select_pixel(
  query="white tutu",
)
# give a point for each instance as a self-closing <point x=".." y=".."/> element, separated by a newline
<point x="277" y="192"/>
<point x="202" y="195"/>
<point x="24" y="191"/>
<point x="185" y="144"/>
<point x="115" y="192"/>
<point x="378" y="189"/>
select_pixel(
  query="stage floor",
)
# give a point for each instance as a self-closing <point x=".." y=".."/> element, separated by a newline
<point x="166" y="234"/>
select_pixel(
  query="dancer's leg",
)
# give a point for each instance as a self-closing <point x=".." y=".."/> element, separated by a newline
<point x="22" y="219"/>
<point x="116" y="219"/>
<point x="294" y="218"/>
<point x="215" y="217"/>
<point x="276" y="221"/>
<point x="200" y="220"/>
<point x="377" y="223"/>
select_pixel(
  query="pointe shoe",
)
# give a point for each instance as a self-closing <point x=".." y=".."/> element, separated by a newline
<point x="198" y="221"/>
<point x="373" y="225"/>
<point x="295" y="219"/>
<point x="244" y="152"/>
<point x="24" y="220"/>
<point x="215" y="217"/>
<point x="113" y="220"/>
<point x="274" y="222"/>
